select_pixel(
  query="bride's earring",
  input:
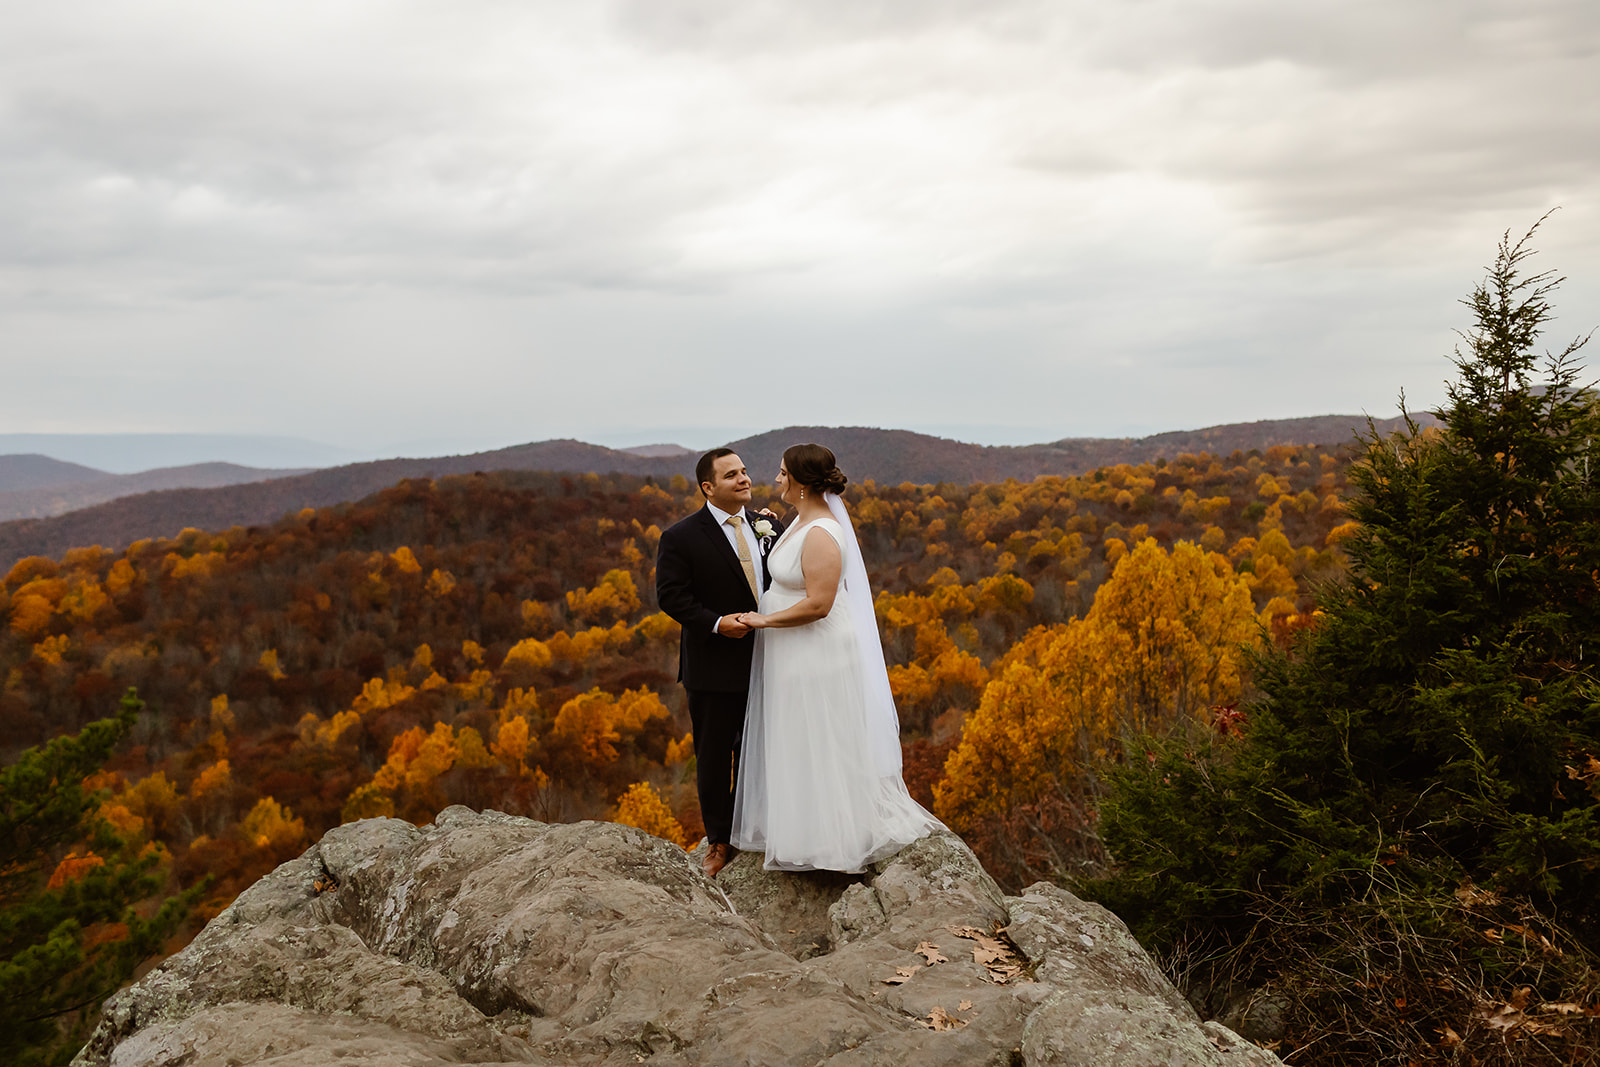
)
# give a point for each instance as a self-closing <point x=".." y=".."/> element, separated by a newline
<point x="802" y="492"/>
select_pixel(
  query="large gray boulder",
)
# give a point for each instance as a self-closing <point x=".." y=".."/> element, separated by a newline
<point x="487" y="938"/>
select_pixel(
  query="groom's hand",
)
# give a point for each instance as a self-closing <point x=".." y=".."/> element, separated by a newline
<point x="730" y="626"/>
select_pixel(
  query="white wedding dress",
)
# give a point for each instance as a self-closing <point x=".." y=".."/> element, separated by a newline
<point x="819" y="783"/>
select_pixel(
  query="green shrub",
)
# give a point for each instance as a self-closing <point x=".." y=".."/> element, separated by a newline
<point x="52" y="976"/>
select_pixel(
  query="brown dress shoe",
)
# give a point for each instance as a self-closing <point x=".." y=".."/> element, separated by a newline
<point x="716" y="858"/>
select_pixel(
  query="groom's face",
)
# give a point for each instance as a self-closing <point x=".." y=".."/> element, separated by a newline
<point x="729" y="488"/>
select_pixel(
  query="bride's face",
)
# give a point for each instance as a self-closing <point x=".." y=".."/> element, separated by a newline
<point x="788" y="490"/>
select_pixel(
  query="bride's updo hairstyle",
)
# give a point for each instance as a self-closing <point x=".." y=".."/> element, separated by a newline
<point x="814" y="467"/>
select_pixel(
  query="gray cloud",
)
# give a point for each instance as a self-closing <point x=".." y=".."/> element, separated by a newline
<point x="498" y="221"/>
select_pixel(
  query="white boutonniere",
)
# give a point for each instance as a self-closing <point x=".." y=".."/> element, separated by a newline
<point x="762" y="527"/>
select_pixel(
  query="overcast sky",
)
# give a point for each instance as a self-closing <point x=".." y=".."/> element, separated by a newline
<point x="451" y="226"/>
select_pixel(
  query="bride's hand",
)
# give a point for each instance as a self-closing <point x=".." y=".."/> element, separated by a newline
<point x="754" y="620"/>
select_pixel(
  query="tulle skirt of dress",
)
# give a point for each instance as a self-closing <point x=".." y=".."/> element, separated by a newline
<point x="808" y="794"/>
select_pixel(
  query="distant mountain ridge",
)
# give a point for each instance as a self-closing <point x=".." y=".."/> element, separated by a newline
<point x="30" y="470"/>
<point x="130" y="453"/>
<point x="885" y="456"/>
<point x="35" y="486"/>
<point x="893" y="456"/>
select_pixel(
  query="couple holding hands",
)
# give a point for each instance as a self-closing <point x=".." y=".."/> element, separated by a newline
<point x="785" y="675"/>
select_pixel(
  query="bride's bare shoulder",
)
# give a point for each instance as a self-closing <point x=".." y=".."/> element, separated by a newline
<point x="828" y="526"/>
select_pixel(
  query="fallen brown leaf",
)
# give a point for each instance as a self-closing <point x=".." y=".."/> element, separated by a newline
<point x="1000" y="959"/>
<point x="1449" y="1038"/>
<point x="965" y="1005"/>
<point x="987" y="954"/>
<point x="930" y="952"/>
<point x="939" y="1019"/>
<point x="901" y="975"/>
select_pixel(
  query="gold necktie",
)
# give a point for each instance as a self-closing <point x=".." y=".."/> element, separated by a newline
<point x="737" y="521"/>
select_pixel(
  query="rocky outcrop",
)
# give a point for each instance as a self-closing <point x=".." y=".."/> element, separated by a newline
<point x="486" y="938"/>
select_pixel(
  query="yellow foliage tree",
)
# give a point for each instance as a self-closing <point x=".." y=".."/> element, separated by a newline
<point x="215" y="777"/>
<point x="470" y="749"/>
<point x="511" y="743"/>
<point x="151" y="797"/>
<point x="585" y="644"/>
<point x="615" y="597"/>
<point x="478" y="688"/>
<point x="524" y="702"/>
<point x="1342" y="532"/>
<point x="529" y="652"/>
<point x="642" y="807"/>
<point x="367" y="802"/>
<point x="405" y="560"/>
<point x="436" y="754"/>
<point x="381" y="693"/>
<point x="221" y="716"/>
<point x="417" y="757"/>
<point x="1162" y="643"/>
<point x="596" y="721"/>
<point x="84" y="600"/>
<point x="535" y="616"/>
<point x="30" y="613"/>
<point x="51" y="650"/>
<point x="327" y="734"/>
<point x="122" y="577"/>
<point x="657" y="627"/>
<point x="126" y="823"/>
<point x="269" y="663"/>
<point x="271" y="825"/>
<point x="199" y="565"/>
<point x="680" y="750"/>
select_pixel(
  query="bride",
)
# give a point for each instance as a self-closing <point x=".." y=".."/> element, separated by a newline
<point x="819" y="784"/>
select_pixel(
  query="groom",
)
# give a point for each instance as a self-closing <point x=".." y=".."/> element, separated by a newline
<point x="710" y="568"/>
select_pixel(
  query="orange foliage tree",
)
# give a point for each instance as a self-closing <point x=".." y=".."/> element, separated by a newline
<point x="642" y="806"/>
<point x="1163" y="643"/>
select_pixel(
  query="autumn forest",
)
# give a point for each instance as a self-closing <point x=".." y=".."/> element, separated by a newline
<point x="492" y="640"/>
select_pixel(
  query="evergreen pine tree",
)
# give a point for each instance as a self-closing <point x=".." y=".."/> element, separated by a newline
<point x="1435" y="737"/>
<point x="52" y="977"/>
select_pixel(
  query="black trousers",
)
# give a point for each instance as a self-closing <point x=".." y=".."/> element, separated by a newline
<point x="718" y="720"/>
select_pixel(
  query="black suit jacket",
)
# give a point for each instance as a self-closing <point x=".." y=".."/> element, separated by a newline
<point x="698" y="580"/>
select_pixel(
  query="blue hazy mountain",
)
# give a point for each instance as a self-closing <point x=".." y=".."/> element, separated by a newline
<point x="130" y="453"/>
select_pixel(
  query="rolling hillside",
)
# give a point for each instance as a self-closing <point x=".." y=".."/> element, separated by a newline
<point x="29" y="470"/>
<point x="888" y="457"/>
<point x="36" y="487"/>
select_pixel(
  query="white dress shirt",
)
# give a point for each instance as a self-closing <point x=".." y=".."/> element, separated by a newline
<point x="750" y="540"/>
